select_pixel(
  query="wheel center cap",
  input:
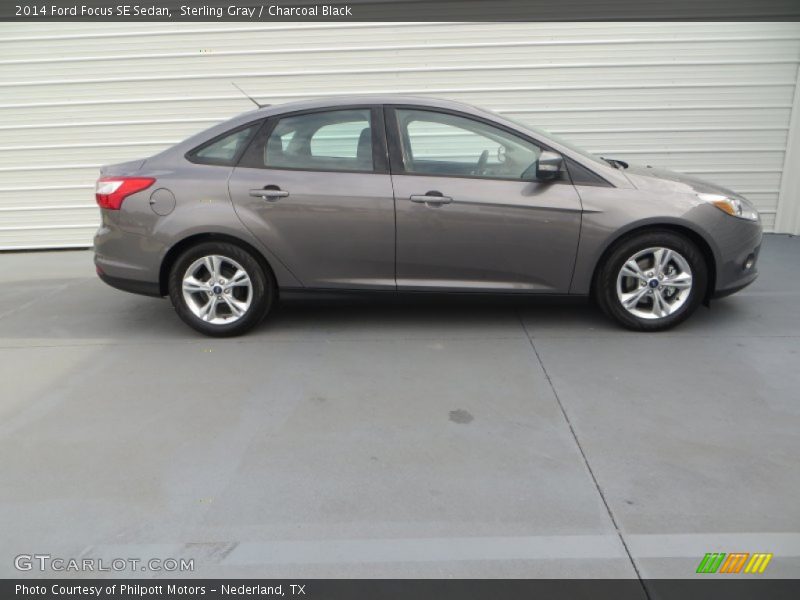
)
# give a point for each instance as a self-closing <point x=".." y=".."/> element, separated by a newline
<point x="217" y="289"/>
<point x="653" y="283"/>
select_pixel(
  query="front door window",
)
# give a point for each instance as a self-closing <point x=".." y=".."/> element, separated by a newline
<point x="449" y="145"/>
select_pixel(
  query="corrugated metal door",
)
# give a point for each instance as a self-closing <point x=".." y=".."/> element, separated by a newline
<point x="712" y="99"/>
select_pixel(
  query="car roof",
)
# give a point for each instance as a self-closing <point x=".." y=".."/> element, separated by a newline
<point x="351" y="99"/>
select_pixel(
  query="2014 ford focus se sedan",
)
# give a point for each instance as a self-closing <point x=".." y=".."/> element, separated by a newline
<point x="411" y="194"/>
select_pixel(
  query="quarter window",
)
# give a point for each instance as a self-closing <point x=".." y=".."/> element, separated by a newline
<point x="444" y="144"/>
<point x="339" y="140"/>
<point x="225" y="150"/>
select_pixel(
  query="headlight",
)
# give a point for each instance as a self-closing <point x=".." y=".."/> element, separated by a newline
<point x="733" y="206"/>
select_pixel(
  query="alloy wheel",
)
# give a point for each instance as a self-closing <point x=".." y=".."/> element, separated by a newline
<point x="217" y="289"/>
<point x="654" y="283"/>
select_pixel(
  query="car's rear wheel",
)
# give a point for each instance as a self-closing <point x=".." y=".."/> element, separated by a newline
<point x="652" y="281"/>
<point x="220" y="289"/>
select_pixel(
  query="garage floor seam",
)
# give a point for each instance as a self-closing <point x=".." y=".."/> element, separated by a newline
<point x="583" y="455"/>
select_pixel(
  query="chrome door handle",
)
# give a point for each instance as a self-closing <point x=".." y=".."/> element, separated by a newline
<point x="270" y="192"/>
<point x="431" y="198"/>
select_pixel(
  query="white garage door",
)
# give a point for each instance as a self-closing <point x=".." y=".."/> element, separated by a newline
<point x="710" y="99"/>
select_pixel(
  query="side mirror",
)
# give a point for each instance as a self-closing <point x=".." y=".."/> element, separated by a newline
<point x="548" y="166"/>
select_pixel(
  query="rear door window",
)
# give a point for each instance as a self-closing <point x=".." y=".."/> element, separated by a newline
<point x="336" y="140"/>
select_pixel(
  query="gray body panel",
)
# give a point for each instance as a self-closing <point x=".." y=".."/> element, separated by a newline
<point x="510" y="236"/>
<point x="337" y="230"/>
<point x="132" y="243"/>
<point x="664" y="198"/>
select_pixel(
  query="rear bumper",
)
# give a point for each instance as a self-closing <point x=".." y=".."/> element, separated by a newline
<point x="146" y="288"/>
<point x="128" y="261"/>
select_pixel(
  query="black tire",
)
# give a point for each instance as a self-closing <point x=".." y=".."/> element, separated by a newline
<point x="605" y="285"/>
<point x="262" y="285"/>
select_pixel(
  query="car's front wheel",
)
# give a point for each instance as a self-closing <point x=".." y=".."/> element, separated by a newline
<point x="652" y="281"/>
<point x="220" y="289"/>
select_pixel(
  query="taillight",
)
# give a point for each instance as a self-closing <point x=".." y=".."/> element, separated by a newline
<point x="111" y="191"/>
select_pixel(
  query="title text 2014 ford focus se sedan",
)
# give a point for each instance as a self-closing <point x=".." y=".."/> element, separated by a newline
<point x="409" y="194"/>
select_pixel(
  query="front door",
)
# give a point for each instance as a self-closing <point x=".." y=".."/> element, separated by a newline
<point x="314" y="188"/>
<point x="470" y="214"/>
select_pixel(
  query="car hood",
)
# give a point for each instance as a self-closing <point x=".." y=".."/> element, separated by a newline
<point x="645" y="177"/>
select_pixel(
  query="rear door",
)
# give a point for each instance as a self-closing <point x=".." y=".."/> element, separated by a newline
<point x="470" y="213"/>
<point x="315" y="188"/>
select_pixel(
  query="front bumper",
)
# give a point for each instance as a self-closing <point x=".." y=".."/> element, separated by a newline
<point x="737" y="265"/>
<point x="732" y="290"/>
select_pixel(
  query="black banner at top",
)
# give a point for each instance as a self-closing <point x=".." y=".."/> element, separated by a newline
<point x="400" y="10"/>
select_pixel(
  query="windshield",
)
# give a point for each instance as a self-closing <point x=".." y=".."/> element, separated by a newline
<point x="559" y="140"/>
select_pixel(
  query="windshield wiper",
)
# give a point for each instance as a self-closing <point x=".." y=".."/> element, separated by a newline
<point x="616" y="163"/>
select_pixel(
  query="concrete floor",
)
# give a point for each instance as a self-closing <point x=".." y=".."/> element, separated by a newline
<point x="435" y="439"/>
